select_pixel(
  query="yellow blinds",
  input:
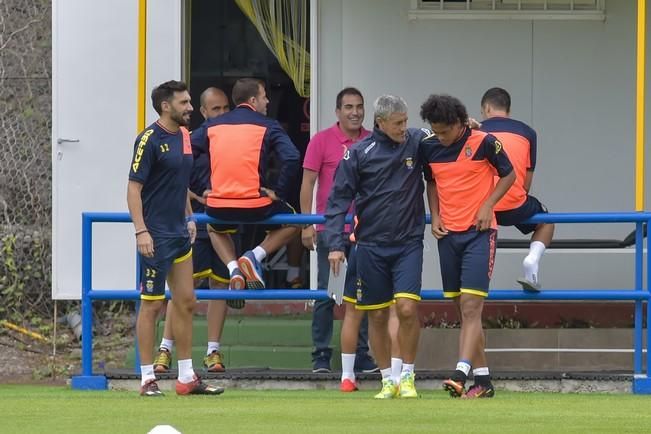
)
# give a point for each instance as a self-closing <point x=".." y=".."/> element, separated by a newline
<point x="282" y="24"/>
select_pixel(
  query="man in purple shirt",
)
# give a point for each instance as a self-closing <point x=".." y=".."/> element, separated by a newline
<point x="323" y="154"/>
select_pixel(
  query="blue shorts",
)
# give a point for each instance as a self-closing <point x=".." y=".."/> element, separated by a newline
<point x="351" y="283"/>
<point x="513" y="217"/>
<point x="206" y="262"/>
<point x="153" y="271"/>
<point x="467" y="260"/>
<point x="385" y="273"/>
<point x="246" y="215"/>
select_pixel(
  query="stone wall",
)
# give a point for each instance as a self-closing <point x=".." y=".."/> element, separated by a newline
<point x="25" y="160"/>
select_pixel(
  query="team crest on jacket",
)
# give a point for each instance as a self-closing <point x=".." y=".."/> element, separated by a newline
<point x="468" y="151"/>
<point x="409" y="163"/>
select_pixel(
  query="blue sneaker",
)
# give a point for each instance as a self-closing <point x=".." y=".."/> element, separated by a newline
<point x="252" y="270"/>
<point x="365" y="363"/>
<point x="321" y="363"/>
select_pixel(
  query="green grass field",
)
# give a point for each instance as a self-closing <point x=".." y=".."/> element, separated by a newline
<point x="42" y="409"/>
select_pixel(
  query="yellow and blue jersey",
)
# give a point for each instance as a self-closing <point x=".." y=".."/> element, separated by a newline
<point x="162" y="163"/>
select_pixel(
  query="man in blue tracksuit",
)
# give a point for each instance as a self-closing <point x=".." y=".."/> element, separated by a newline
<point x="383" y="174"/>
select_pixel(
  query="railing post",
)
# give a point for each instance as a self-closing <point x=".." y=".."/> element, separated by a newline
<point x="86" y="302"/>
<point x="87" y="380"/>
<point x="637" y="333"/>
<point x="641" y="381"/>
<point x="648" y="302"/>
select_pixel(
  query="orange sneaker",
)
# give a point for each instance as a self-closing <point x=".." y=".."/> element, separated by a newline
<point x="197" y="387"/>
<point x="348" y="385"/>
<point x="455" y="388"/>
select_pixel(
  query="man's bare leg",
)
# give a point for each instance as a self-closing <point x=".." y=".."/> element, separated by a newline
<point x="182" y="289"/>
<point x="396" y="355"/>
<point x="349" y="336"/>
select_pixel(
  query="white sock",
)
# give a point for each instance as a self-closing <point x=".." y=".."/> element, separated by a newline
<point x="167" y="344"/>
<point x="231" y="266"/>
<point x="396" y="369"/>
<point x="386" y="373"/>
<point x="212" y="346"/>
<point x="292" y="273"/>
<point x="186" y="373"/>
<point x="530" y="263"/>
<point x="146" y="374"/>
<point x="347" y="366"/>
<point x="463" y="366"/>
<point x="407" y="368"/>
<point x="259" y="253"/>
<point x="480" y="371"/>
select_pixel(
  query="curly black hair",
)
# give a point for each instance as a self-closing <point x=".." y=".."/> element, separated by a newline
<point x="443" y="109"/>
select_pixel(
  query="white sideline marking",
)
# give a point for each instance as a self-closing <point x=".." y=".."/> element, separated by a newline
<point x="561" y="350"/>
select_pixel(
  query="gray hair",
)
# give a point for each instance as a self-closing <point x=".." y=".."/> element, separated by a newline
<point x="386" y="105"/>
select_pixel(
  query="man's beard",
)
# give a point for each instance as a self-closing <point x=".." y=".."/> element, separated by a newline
<point x="178" y="118"/>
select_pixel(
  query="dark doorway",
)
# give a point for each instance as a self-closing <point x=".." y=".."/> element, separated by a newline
<point x="225" y="46"/>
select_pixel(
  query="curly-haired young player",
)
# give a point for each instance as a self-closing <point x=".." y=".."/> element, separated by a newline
<point x="460" y="164"/>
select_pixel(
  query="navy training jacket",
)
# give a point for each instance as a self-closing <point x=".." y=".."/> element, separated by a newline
<point x="385" y="179"/>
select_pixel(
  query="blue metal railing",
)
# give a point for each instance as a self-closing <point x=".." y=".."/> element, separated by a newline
<point x="641" y="383"/>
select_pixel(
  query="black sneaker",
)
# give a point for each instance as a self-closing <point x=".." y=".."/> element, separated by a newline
<point x="321" y="364"/>
<point x="364" y="363"/>
<point x="479" y="391"/>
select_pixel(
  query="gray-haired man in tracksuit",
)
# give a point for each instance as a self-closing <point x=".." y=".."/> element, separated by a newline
<point x="383" y="174"/>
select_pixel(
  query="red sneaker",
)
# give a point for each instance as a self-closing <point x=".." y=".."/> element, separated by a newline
<point x="348" y="386"/>
<point x="197" y="387"/>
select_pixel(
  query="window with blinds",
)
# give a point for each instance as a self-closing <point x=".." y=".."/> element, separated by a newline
<point x="508" y="9"/>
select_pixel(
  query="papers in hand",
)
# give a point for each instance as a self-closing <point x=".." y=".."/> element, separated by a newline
<point x="336" y="284"/>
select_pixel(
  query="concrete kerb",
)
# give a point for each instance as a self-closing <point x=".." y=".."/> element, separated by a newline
<point x="428" y="385"/>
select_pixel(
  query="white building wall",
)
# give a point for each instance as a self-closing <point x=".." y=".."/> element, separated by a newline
<point x="95" y="82"/>
<point x="574" y="82"/>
